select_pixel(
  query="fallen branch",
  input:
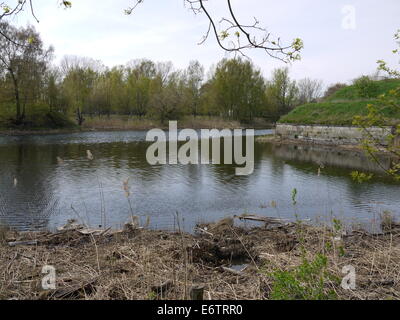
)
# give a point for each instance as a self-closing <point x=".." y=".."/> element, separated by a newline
<point x="23" y="243"/>
<point x="262" y="219"/>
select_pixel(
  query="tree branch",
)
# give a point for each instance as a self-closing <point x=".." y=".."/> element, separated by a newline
<point x="273" y="48"/>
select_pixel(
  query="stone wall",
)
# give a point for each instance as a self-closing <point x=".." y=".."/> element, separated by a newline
<point x="335" y="135"/>
<point x="326" y="155"/>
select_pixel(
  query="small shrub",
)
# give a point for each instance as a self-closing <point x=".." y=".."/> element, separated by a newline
<point x="365" y="87"/>
<point x="337" y="225"/>
<point x="306" y="282"/>
<point x="333" y="89"/>
<point x="58" y="120"/>
<point x="361" y="177"/>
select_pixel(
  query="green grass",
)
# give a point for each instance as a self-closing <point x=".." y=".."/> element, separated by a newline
<point x="341" y="107"/>
<point x="306" y="282"/>
<point x="351" y="93"/>
<point x="326" y="113"/>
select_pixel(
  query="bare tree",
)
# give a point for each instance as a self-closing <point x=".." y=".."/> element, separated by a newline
<point x="309" y="90"/>
<point x="71" y="62"/>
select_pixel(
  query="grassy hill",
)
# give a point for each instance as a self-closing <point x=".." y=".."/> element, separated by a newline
<point x="341" y="107"/>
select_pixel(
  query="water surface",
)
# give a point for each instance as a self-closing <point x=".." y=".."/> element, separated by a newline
<point x="47" y="193"/>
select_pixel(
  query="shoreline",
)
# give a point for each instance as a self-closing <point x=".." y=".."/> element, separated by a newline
<point x="12" y="132"/>
<point x="229" y="262"/>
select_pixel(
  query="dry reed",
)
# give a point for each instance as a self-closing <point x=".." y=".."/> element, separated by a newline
<point x="132" y="264"/>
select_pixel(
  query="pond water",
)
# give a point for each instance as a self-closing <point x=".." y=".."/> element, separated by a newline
<point x="38" y="191"/>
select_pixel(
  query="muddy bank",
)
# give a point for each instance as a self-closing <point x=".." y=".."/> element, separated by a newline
<point x="228" y="262"/>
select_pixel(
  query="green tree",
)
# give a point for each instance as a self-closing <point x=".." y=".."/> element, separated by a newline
<point x="194" y="76"/>
<point x="140" y="75"/>
<point x="239" y="90"/>
<point x="52" y="89"/>
<point x="77" y="87"/>
<point x="23" y="61"/>
<point x="166" y="97"/>
<point x="208" y="98"/>
<point x="116" y="91"/>
<point x="281" y="92"/>
<point x="99" y="100"/>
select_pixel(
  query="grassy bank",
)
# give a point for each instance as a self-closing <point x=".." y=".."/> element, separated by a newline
<point x="285" y="261"/>
<point x="341" y="107"/>
<point x="351" y="92"/>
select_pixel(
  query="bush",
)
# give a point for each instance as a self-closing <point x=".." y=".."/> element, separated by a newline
<point x="365" y="87"/>
<point x="333" y="89"/>
<point x="58" y="120"/>
<point x="306" y="282"/>
<point x="37" y="117"/>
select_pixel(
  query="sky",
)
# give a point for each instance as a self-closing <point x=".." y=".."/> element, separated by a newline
<point x="343" y="39"/>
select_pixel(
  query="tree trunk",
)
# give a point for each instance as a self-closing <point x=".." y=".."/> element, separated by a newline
<point x="19" y="116"/>
<point x="79" y="117"/>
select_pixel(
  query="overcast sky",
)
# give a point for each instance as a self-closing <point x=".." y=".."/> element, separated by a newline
<point x="164" y="30"/>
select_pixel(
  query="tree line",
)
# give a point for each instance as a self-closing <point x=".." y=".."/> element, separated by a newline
<point x="80" y="87"/>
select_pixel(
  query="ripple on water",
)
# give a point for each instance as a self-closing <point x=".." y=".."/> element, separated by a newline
<point x="47" y="190"/>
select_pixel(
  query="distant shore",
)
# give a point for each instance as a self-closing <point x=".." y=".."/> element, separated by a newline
<point x="135" y="124"/>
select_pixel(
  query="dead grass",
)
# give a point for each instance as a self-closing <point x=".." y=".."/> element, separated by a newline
<point x="118" y="123"/>
<point x="132" y="264"/>
<point x="134" y="123"/>
<point x="3" y="234"/>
